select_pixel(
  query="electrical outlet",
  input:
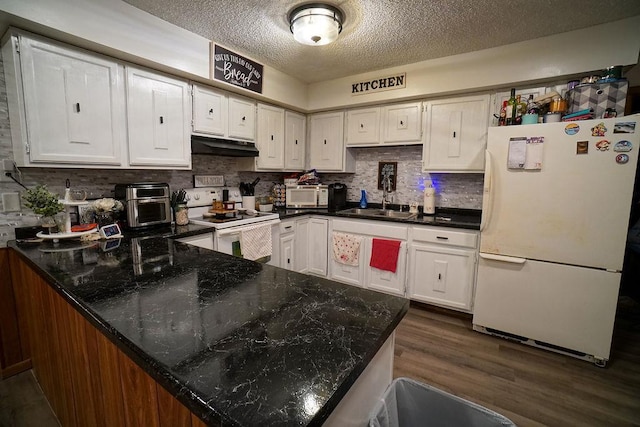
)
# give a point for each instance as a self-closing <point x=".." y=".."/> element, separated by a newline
<point x="7" y="166"/>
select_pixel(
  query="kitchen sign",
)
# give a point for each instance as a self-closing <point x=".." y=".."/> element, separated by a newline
<point x="229" y="67"/>
<point x="397" y="81"/>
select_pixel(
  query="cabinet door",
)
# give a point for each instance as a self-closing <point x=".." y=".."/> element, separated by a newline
<point x="159" y="111"/>
<point x="303" y="244"/>
<point x="386" y="281"/>
<point x="294" y="140"/>
<point x="242" y="119"/>
<point x="440" y="275"/>
<point x="327" y="142"/>
<point x="318" y="234"/>
<point x="456" y="134"/>
<point x="363" y="126"/>
<point x="270" y="137"/>
<point x="350" y="274"/>
<point x="402" y="122"/>
<point x="209" y="111"/>
<point x="74" y="105"/>
<point x="287" y="247"/>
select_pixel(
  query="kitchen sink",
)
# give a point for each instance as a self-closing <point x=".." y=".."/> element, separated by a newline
<point x="379" y="213"/>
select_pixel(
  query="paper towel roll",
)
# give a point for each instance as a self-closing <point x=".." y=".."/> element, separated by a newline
<point x="429" y="200"/>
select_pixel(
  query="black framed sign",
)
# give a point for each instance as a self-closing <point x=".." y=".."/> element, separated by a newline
<point x="389" y="169"/>
<point x="229" y="67"/>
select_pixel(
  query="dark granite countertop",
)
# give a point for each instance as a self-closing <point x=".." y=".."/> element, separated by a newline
<point x="444" y="217"/>
<point x="237" y="342"/>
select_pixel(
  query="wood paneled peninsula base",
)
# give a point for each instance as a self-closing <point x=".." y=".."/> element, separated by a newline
<point x="155" y="332"/>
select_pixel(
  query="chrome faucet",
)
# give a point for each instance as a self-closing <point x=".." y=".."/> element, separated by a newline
<point x="386" y="190"/>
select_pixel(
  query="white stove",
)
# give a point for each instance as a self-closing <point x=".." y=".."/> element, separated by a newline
<point x="200" y="200"/>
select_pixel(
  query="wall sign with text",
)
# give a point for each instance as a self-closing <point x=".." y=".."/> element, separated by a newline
<point x="229" y="67"/>
<point x="398" y="81"/>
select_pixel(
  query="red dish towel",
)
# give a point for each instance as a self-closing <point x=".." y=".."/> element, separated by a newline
<point x="384" y="254"/>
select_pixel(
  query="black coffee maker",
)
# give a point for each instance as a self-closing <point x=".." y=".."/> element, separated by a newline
<point x="337" y="197"/>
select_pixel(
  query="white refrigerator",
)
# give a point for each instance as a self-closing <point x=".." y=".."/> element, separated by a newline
<point x="556" y="205"/>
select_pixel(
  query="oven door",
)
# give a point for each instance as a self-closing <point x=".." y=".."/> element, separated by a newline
<point x="227" y="240"/>
<point x="144" y="212"/>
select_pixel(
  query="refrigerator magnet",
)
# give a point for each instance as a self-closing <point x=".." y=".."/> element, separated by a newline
<point x="582" y="147"/>
<point x="624" y="127"/>
<point x="603" y="145"/>
<point x="621" y="159"/>
<point x="623" y="146"/>
<point x="571" y="129"/>
<point x="599" y="129"/>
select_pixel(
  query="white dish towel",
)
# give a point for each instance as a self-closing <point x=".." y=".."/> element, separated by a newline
<point x="255" y="242"/>
<point x="346" y="248"/>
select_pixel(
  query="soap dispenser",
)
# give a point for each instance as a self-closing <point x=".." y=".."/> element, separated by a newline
<point x="363" y="199"/>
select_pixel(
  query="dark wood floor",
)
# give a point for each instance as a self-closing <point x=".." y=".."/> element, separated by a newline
<point x="530" y="386"/>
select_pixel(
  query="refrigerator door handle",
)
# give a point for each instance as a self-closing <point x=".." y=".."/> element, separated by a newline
<point x="503" y="258"/>
<point x="486" y="197"/>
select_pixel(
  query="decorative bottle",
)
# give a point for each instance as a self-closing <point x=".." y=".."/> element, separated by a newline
<point x="363" y="199"/>
<point x="511" y="108"/>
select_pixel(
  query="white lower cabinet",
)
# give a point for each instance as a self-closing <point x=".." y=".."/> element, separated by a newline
<point x="287" y="244"/>
<point x="436" y="265"/>
<point x="442" y="266"/>
<point x="386" y="281"/>
<point x="303" y="245"/>
<point x="363" y="275"/>
<point x="317" y="246"/>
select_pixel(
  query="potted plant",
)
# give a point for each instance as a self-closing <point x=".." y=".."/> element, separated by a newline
<point x="106" y="211"/>
<point x="43" y="203"/>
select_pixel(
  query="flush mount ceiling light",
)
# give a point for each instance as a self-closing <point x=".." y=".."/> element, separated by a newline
<point x="315" y="24"/>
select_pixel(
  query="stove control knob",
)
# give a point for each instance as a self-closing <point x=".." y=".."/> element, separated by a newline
<point x="196" y="196"/>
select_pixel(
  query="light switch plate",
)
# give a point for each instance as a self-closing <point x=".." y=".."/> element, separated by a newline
<point x="7" y="166"/>
<point x="10" y="202"/>
<point x="208" y="181"/>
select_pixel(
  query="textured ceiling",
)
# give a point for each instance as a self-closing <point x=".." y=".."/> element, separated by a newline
<point x="381" y="33"/>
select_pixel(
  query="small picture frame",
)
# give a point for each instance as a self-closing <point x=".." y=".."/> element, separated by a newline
<point x="387" y="167"/>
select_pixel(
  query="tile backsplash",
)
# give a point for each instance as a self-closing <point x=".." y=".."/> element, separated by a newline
<point x="453" y="190"/>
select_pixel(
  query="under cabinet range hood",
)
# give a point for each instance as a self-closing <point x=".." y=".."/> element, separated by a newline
<point x="222" y="147"/>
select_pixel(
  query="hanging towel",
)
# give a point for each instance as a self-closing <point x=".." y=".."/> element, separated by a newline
<point x="255" y="242"/>
<point x="384" y="254"/>
<point x="346" y="248"/>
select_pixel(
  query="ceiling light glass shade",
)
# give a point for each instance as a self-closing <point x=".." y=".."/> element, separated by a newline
<point x="315" y="24"/>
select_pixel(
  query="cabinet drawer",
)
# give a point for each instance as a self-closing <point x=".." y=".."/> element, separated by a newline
<point x="287" y="227"/>
<point x="371" y="228"/>
<point x="445" y="237"/>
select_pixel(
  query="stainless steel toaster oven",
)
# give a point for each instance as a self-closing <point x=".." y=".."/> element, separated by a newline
<point x="146" y="203"/>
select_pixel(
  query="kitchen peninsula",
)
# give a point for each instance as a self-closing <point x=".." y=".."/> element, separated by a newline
<point x="234" y="341"/>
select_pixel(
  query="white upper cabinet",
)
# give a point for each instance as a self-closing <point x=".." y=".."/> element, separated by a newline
<point x="159" y="113"/>
<point x="456" y="134"/>
<point x="270" y="140"/>
<point x="210" y="111"/>
<point x="295" y="132"/>
<point x="397" y="124"/>
<point x="242" y="118"/>
<point x="402" y="123"/>
<point x="220" y="114"/>
<point x="363" y="126"/>
<point x="73" y="105"/>
<point x="326" y="145"/>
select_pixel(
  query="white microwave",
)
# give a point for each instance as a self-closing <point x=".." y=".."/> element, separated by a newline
<point x="307" y="196"/>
